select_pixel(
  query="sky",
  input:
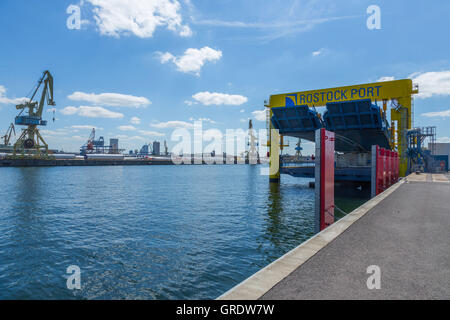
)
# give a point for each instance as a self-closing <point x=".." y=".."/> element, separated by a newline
<point x="138" y="69"/>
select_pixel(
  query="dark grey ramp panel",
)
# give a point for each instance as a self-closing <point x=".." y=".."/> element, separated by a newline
<point x="359" y="121"/>
<point x="406" y="235"/>
<point x="296" y="121"/>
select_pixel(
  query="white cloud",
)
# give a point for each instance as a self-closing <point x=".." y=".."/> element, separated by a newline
<point x="432" y="83"/>
<point x="97" y="112"/>
<point x="260" y="115"/>
<point x="189" y="102"/>
<point x="139" y="17"/>
<point x="128" y="138"/>
<point x="79" y="138"/>
<point x="317" y="53"/>
<point x="280" y="21"/>
<point x="68" y="111"/>
<point x="203" y="119"/>
<point x="56" y="132"/>
<point x="121" y="136"/>
<point x="192" y="60"/>
<point x="271" y="25"/>
<point x="85" y="126"/>
<point x="442" y="114"/>
<point x="91" y="112"/>
<point x="6" y="100"/>
<point x="382" y="79"/>
<point x="126" y="128"/>
<point x="443" y="140"/>
<point x="151" y="133"/>
<point x="135" y="120"/>
<point x="110" y="99"/>
<point x="206" y="120"/>
<point x="242" y="110"/>
<point x="172" y="124"/>
<point x="215" y="98"/>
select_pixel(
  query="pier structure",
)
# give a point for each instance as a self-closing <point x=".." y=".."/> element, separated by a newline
<point x="352" y="112"/>
<point x="70" y="160"/>
<point x="395" y="246"/>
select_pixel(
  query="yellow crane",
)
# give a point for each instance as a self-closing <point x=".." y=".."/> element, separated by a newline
<point x="6" y="138"/>
<point x="30" y="140"/>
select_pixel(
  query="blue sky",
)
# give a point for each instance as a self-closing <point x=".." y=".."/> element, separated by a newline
<point x="138" y="69"/>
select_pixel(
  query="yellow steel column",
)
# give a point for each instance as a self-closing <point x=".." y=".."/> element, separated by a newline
<point x="392" y="141"/>
<point x="403" y="117"/>
<point x="274" y="160"/>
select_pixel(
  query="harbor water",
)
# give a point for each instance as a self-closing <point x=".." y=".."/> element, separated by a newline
<point x="146" y="232"/>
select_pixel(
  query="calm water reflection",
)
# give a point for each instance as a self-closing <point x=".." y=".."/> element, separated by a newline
<point x="154" y="232"/>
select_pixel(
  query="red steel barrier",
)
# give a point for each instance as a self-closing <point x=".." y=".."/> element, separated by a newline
<point x="392" y="167"/>
<point x="396" y="164"/>
<point x="388" y="168"/>
<point x="324" y="179"/>
<point x="384" y="169"/>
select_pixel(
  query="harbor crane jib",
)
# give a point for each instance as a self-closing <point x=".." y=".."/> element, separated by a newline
<point x="30" y="140"/>
<point x="7" y="137"/>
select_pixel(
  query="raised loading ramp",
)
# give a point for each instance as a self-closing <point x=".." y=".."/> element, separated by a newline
<point x="358" y="124"/>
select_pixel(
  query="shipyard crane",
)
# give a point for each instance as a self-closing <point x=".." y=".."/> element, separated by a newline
<point x="298" y="149"/>
<point x="88" y="147"/>
<point x="30" y="138"/>
<point x="8" y="133"/>
<point x="90" y="142"/>
<point x="166" y="149"/>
